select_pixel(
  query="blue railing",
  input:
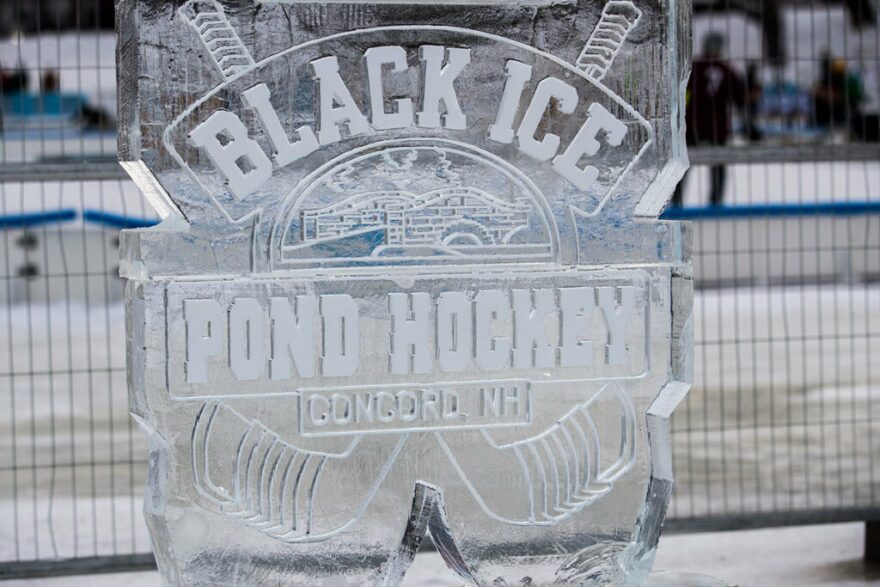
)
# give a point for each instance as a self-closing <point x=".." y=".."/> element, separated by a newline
<point x="29" y="219"/>
<point x="108" y="219"/>
<point x="690" y="213"/>
<point x="772" y="210"/>
<point x="121" y="221"/>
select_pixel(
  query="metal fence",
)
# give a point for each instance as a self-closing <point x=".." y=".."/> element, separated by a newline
<point x="780" y="427"/>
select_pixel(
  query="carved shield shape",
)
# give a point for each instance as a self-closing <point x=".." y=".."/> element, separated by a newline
<point x="410" y="281"/>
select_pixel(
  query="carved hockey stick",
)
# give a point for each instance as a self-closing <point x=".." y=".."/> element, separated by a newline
<point x="618" y="20"/>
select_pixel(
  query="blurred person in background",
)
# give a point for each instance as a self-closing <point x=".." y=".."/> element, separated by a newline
<point x="50" y="83"/>
<point x="714" y="89"/>
<point x="12" y="81"/>
<point x="90" y="118"/>
<point x="838" y="96"/>
<point x="754" y="95"/>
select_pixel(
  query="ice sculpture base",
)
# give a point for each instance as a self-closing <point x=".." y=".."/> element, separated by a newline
<point x="673" y="579"/>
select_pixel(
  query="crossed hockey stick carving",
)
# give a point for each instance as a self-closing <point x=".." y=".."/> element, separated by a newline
<point x="273" y="484"/>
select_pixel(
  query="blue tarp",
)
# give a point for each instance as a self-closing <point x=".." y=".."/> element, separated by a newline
<point x="24" y="104"/>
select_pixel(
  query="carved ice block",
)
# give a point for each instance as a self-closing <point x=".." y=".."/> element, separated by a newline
<point x="410" y="281"/>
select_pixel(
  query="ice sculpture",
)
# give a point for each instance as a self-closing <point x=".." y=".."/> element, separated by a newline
<point x="410" y="281"/>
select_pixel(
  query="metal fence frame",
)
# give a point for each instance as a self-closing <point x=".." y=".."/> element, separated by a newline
<point x="81" y="170"/>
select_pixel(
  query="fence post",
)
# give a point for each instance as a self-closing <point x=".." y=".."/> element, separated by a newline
<point x="872" y="541"/>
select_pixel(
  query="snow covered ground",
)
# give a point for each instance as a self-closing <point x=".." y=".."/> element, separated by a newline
<point x="790" y="183"/>
<point x="786" y="403"/>
<point x="813" y="556"/>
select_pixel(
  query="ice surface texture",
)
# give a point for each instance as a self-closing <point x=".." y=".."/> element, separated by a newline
<point x="410" y="281"/>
